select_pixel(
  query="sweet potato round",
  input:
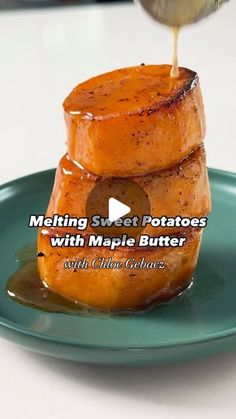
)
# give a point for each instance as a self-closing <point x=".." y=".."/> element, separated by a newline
<point x="134" y="120"/>
<point x="181" y="190"/>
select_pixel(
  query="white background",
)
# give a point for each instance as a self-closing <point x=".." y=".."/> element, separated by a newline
<point x="43" y="55"/>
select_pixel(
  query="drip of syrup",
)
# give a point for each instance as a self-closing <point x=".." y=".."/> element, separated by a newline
<point x="178" y="13"/>
<point x="174" y="73"/>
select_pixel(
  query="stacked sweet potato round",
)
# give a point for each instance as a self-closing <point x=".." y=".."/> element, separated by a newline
<point x="139" y="123"/>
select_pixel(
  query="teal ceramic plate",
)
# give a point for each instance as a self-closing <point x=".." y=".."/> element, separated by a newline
<point x="200" y="323"/>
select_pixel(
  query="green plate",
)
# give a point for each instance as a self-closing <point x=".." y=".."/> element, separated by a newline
<point x="200" y="323"/>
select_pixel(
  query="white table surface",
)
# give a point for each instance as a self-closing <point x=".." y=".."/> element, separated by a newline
<point x="43" y="55"/>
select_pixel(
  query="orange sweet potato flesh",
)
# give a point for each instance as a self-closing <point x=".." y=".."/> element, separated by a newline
<point x="181" y="190"/>
<point x="134" y="120"/>
<point x="118" y="289"/>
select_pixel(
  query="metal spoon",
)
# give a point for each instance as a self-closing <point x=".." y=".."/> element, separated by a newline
<point x="177" y="13"/>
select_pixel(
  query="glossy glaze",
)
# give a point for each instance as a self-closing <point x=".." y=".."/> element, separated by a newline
<point x="25" y="287"/>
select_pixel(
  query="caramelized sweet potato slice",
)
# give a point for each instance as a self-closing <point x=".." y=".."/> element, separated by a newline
<point x="118" y="289"/>
<point x="134" y="120"/>
<point x="181" y="190"/>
